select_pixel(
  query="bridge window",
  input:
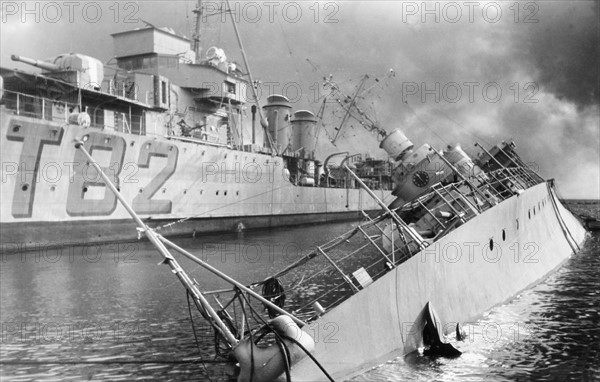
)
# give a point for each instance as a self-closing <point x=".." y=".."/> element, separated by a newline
<point x="229" y="87"/>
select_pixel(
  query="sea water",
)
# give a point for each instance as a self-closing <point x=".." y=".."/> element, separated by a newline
<point x="111" y="312"/>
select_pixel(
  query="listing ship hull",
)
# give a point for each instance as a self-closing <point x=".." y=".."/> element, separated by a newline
<point x="458" y="274"/>
<point x="51" y="196"/>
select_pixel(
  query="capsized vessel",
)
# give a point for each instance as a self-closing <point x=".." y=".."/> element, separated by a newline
<point x="464" y="236"/>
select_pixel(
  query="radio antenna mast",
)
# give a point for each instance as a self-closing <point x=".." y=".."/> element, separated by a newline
<point x="197" y="34"/>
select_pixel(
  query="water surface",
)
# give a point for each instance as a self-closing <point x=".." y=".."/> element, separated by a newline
<point x="111" y="312"/>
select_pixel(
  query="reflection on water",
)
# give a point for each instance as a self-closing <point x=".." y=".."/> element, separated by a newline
<point x="113" y="303"/>
<point x="111" y="313"/>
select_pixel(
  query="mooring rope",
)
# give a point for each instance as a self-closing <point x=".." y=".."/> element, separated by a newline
<point x="563" y="226"/>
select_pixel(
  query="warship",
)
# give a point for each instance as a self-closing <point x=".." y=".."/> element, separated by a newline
<point x="183" y="137"/>
<point x="454" y="237"/>
<point x="462" y="236"/>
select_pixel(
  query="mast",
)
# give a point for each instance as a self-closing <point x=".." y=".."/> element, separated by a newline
<point x="197" y="35"/>
<point x="349" y="108"/>
<point x="263" y="121"/>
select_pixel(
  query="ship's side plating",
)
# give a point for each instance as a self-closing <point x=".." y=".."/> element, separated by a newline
<point x="475" y="267"/>
<point x="50" y="195"/>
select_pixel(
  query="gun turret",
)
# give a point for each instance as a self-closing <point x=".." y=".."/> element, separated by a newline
<point x="40" y="64"/>
<point x="77" y="69"/>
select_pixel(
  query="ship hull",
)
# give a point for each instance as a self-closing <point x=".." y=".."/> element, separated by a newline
<point x="458" y="274"/>
<point x="18" y="237"/>
<point x="51" y="196"/>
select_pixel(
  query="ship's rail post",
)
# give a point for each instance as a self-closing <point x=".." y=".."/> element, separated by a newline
<point x="519" y="163"/>
<point x="457" y="201"/>
<point x="344" y="276"/>
<point x="476" y="189"/>
<point x="500" y="179"/>
<point x="516" y="178"/>
<point x="431" y="213"/>
<point x="456" y="212"/>
<point x="228" y="279"/>
<point x="420" y="242"/>
<point x="525" y="173"/>
<point x="476" y="208"/>
<point x="392" y="241"/>
<point x="385" y="234"/>
<point x="375" y="244"/>
<point x="523" y="180"/>
<point x="501" y="166"/>
<point x="523" y="177"/>
<point x="491" y="187"/>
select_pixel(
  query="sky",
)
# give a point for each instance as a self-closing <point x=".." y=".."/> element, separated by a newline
<point x="442" y="72"/>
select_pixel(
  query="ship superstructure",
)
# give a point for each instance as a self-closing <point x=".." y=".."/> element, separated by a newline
<point x="178" y="136"/>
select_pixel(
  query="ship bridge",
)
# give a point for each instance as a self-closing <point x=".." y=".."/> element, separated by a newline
<point x="167" y="57"/>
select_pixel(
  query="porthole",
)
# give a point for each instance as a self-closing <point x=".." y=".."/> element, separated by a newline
<point x="217" y="193"/>
<point x="132" y="143"/>
<point x="237" y="193"/>
<point x="529" y="213"/>
<point x="225" y="193"/>
<point x="517" y="221"/>
<point x="85" y="189"/>
<point x="184" y="192"/>
<point x="503" y="235"/>
<point x="52" y="188"/>
<point x="201" y="192"/>
<point x="25" y="187"/>
<point x="16" y="128"/>
<point x="491" y="244"/>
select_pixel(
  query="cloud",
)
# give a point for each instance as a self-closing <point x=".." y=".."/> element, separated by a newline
<point x="546" y="70"/>
<point x="564" y="50"/>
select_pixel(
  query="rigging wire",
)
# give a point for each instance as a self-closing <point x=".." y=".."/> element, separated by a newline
<point x="187" y="292"/>
<point x="282" y="346"/>
<point x="462" y="127"/>
<point x="425" y="124"/>
<point x="291" y="56"/>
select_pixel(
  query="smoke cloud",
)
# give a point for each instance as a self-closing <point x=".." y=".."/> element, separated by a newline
<point x="487" y="72"/>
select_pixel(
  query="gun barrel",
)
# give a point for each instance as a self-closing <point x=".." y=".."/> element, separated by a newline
<point x="40" y="64"/>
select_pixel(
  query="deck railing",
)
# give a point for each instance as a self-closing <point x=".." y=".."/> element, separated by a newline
<point x="59" y="111"/>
